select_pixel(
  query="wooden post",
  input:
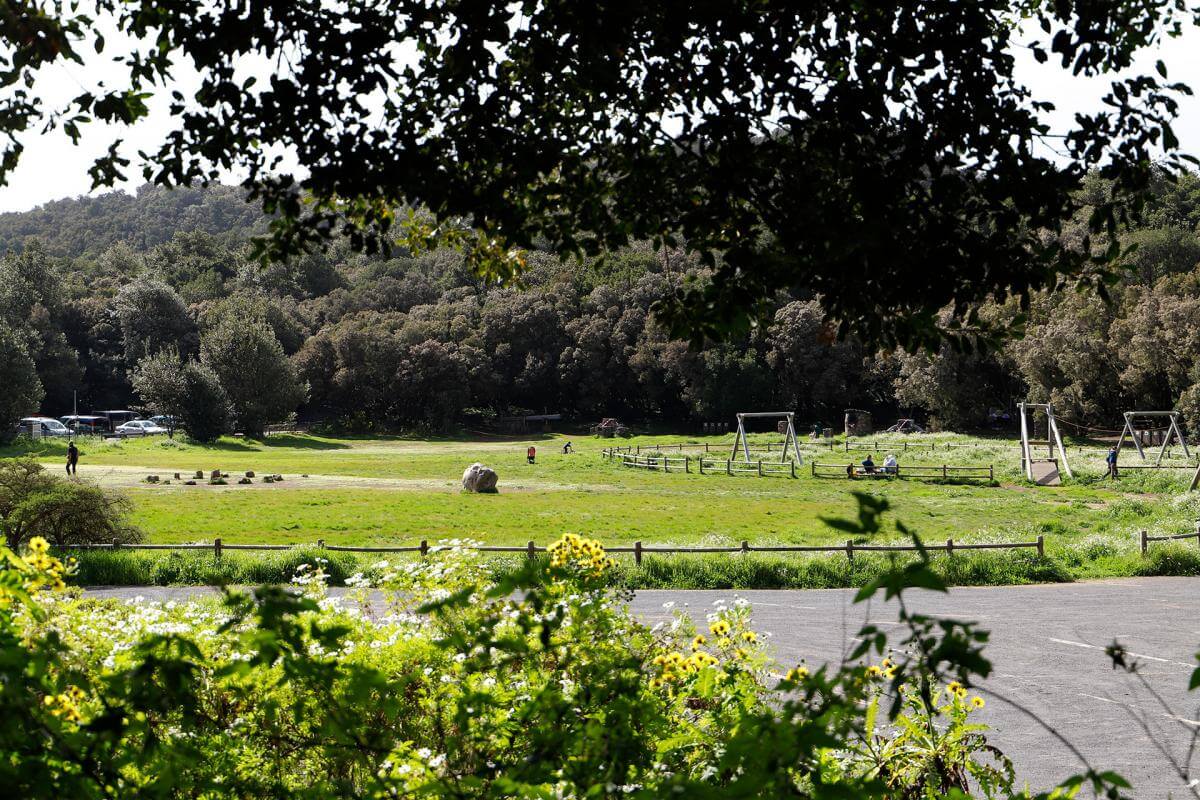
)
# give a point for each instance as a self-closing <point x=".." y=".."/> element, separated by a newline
<point x="687" y="464"/>
<point x="531" y="551"/>
<point x="793" y="463"/>
<point x="217" y="547"/>
<point x="729" y="466"/>
<point x="424" y="548"/>
<point x="116" y="543"/>
<point x="637" y="553"/>
<point x="701" y="464"/>
<point x="706" y="447"/>
<point x="850" y="549"/>
<point x="664" y="464"/>
<point x="949" y="547"/>
<point x="944" y="472"/>
<point x="1143" y="537"/>
<point x="639" y="450"/>
<point x="760" y="468"/>
<point x="1041" y="546"/>
<point x="745" y="546"/>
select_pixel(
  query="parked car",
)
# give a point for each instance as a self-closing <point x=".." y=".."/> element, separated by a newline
<point x="84" y="424"/>
<point x="43" y="426"/>
<point x="167" y="421"/>
<point x="140" y="427"/>
<point x="110" y="420"/>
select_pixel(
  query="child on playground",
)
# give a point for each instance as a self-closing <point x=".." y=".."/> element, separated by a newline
<point x="1111" y="460"/>
<point x="531" y="453"/>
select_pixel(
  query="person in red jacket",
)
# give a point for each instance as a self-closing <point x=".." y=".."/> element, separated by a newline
<point x="531" y="453"/>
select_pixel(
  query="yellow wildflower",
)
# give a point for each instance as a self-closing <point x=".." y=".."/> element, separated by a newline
<point x="977" y="702"/>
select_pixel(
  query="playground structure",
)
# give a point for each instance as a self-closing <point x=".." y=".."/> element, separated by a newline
<point x="905" y="426"/>
<point x="1043" y="471"/>
<point x="609" y="427"/>
<point x="788" y="440"/>
<point x="1143" y="436"/>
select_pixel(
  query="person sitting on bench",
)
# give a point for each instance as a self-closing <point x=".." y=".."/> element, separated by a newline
<point x="889" y="464"/>
<point x="868" y="466"/>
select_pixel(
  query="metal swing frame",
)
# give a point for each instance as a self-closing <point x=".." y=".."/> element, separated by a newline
<point x="789" y="439"/>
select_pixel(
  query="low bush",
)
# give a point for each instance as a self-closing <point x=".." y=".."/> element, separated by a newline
<point x="539" y="685"/>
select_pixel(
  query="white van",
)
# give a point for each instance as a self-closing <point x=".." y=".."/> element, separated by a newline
<point x="38" y="427"/>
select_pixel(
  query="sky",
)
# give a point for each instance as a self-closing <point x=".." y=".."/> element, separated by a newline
<point x="52" y="167"/>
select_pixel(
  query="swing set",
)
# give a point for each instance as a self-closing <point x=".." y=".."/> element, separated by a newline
<point x="789" y="438"/>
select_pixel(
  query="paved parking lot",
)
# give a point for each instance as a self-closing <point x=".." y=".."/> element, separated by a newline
<point x="1047" y="645"/>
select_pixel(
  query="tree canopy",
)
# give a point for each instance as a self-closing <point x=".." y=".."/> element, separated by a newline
<point x="883" y="156"/>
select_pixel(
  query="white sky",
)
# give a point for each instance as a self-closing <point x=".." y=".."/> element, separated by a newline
<point x="52" y="168"/>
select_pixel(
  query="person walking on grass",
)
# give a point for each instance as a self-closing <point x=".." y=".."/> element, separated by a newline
<point x="72" y="458"/>
<point x="1111" y="460"/>
<point x="531" y="454"/>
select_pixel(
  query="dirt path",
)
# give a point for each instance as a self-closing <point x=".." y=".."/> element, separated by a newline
<point x="134" y="477"/>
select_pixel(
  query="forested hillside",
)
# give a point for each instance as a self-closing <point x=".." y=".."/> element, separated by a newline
<point x="117" y="297"/>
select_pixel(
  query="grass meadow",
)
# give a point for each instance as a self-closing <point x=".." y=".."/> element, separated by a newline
<point x="380" y="491"/>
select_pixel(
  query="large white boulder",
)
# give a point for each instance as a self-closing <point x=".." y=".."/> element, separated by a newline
<point x="478" y="478"/>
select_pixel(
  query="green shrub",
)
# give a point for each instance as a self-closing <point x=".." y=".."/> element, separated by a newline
<point x="538" y="685"/>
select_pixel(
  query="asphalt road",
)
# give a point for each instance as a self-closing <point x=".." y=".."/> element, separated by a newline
<point x="1047" y="645"/>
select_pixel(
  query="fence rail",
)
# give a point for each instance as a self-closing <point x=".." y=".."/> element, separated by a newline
<point x="637" y="549"/>
<point x="1145" y="538"/>
<point x="944" y="472"/>
<point x="704" y="466"/>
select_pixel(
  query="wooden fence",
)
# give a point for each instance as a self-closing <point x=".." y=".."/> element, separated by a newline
<point x="944" y="472"/>
<point x="1145" y="538"/>
<point x="637" y="549"/>
<point x="704" y="466"/>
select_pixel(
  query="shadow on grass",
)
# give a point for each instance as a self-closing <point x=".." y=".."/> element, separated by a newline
<point x="295" y="442"/>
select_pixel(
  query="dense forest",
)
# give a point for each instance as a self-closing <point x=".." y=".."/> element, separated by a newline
<point x="135" y="300"/>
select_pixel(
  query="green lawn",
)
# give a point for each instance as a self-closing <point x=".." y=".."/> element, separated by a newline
<point x="376" y="490"/>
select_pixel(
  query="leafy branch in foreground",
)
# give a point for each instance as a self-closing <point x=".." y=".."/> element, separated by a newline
<point x="884" y="157"/>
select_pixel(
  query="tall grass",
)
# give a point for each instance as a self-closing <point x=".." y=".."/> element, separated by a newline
<point x="162" y="568"/>
<point x="1096" y="556"/>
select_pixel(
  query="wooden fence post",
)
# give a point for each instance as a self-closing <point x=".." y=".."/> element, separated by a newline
<point x="850" y="549"/>
<point x="760" y="468"/>
<point x="531" y="551"/>
<point x="217" y="547"/>
<point x="945" y="472"/>
<point x="745" y="546"/>
<point x="639" y="450"/>
<point x="949" y="547"/>
<point x="637" y="553"/>
<point x="1041" y="546"/>
<point x="701" y="464"/>
<point x="665" y="467"/>
<point x="1143" y="538"/>
<point x="687" y="464"/>
<point x="793" y="463"/>
<point x="424" y="548"/>
<point x="729" y="466"/>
